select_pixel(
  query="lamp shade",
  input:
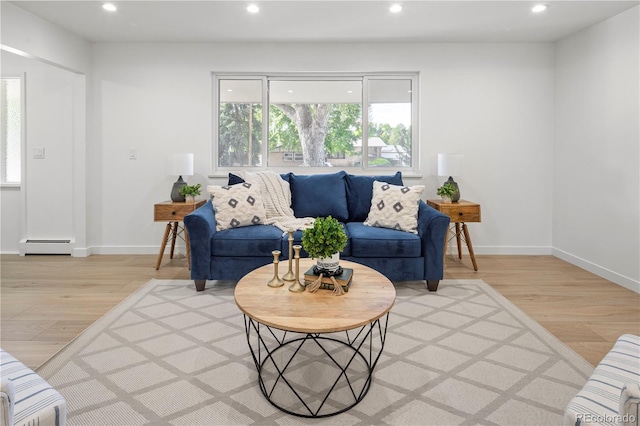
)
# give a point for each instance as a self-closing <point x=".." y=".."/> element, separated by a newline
<point x="180" y="165"/>
<point x="450" y="164"/>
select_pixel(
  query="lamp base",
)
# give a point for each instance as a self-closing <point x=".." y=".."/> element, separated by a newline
<point x="176" y="196"/>
<point x="456" y="197"/>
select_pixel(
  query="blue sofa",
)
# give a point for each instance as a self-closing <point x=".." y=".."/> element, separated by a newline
<point x="401" y="256"/>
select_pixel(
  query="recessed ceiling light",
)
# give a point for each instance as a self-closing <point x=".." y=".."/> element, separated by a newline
<point x="395" y="8"/>
<point x="539" y="8"/>
<point x="252" y="8"/>
<point x="110" y="7"/>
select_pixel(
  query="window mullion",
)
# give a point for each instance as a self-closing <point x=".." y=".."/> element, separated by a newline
<point x="365" y="123"/>
<point x="415" y="145"/>
<point x="265" y="122"/>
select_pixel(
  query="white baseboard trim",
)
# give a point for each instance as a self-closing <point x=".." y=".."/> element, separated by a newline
<point x="504" y="250"/>
<point x="605" y="273"/>
<point x="81" y="252"/>
<point x="135" y="249"/>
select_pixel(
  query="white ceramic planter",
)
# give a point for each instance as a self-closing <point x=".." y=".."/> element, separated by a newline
<point x="329" y="263"/>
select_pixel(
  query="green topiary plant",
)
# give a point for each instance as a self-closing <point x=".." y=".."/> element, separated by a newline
<point x="191" y="190"/>
<point x="447" y="190"/>
<point x="325" y="238"/>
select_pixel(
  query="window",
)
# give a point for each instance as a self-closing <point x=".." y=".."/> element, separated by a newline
<point x="240" y="123"/>
<point x="390" y="122"/>
<point x="315" y="121"/>
<point x="11" y="143"/>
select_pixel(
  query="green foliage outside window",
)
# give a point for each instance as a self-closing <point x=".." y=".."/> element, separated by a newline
<point x="237" y="121"/>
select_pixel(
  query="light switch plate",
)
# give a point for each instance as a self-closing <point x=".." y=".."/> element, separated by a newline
<point x="38" y="153"/>
<point x="133" y="153"/>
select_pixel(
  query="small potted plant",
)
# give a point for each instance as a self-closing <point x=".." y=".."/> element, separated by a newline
<point x="324" y="242"/>
<point x="447" y="191"/>
<point x="190" y="192"/>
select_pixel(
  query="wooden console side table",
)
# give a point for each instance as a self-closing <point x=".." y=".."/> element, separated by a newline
<point x="173" y="212"/>
<point x="461" y="212"/>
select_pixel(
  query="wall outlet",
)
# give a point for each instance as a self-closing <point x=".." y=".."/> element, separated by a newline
<point x="38" y="153"/>
<point x="133" y="153"/>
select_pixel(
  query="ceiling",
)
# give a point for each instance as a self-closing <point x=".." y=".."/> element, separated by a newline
<point x="325" y="21"/>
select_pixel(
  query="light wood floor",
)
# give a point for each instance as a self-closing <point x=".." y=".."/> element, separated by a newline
<point x="48" y="300"/>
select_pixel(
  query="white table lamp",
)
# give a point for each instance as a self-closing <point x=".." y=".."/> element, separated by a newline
<point x="181" y="165"/>
<point x="451" y="165"/>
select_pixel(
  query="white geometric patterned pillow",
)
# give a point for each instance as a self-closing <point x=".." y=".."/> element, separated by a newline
<point x="395" y="207"/>
<point x="237" y="205"/>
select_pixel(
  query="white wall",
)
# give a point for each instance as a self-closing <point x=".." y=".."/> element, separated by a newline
<point x="50" y="204"/>
<point x="46" y="211"/>
<point x="43" y="40"/>
<point x="492" y="102"/>
<point x="596" y="196"/>
<point x="11" y="219"/>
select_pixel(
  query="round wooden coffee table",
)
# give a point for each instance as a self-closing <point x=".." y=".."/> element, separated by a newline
<point x="315" y="352"/>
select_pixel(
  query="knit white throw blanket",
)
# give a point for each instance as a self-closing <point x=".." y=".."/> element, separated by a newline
<point x="276" y="196"/>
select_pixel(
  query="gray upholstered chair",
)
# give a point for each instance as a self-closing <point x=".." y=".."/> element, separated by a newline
<point x="26" y="398"/>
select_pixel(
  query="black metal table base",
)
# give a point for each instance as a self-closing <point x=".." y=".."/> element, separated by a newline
<point x="315" y="374"/>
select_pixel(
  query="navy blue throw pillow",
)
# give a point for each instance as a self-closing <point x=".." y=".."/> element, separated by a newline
<point x="234" y="179"/>
<point x="360" y="192"/>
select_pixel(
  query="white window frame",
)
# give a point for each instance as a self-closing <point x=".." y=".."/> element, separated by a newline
<point x="364" y="169"/>
<point x="23" y="127"/>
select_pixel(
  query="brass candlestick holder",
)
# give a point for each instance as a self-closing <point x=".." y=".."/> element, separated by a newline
<point x="297" y="286"/>
<point x="275" y="281"/>
<point x="289" y="276"/>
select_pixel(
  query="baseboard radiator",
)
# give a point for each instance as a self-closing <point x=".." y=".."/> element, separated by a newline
<point x="48" y="247"/>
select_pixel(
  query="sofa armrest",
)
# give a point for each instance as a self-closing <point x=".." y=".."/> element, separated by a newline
<point x="201" y="226"/>
<point x="7" y="401"/>
<point x="630" y="404"/>
<point x="432" y="229"/>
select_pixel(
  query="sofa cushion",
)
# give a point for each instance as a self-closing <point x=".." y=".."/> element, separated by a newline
<point x="252" y="241"/>
<point x="395" y="207"/>
<point x="319" y="195"/>
<point x="360" y="191"/>
<point x="368" y="241"/>
<point x="297" y="240"/>
<point x="237" y="205"/>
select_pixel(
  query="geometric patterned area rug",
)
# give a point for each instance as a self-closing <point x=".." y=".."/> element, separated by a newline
<point x="462" y="355"/>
